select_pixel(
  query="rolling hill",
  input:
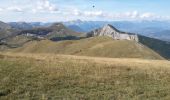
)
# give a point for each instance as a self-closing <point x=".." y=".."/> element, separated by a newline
<point x="12" y="37"/>
<point x="161" y="47"/>
<point x="52" y="32"/>
<point x="95" y="46"/>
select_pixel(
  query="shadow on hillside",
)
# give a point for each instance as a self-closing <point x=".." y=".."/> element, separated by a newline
<point x="67" y="38"/>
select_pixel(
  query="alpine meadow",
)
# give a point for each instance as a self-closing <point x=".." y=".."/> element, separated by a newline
<point x="84" y="50"/>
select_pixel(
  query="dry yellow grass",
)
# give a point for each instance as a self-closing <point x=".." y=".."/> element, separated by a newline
<point x="101" y="60"/>
<point x="48" y="76"/>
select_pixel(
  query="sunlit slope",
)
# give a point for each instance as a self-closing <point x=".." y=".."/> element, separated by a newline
<point x="97" y="46"/>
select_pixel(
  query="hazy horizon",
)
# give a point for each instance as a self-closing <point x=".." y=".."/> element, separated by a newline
<point x="76" y="20"/>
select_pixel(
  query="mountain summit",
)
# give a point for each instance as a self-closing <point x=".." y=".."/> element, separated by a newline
<point x="56" y="30"/>
<point x="109" y="30"/>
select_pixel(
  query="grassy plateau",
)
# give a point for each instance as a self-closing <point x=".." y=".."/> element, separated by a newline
<point x="25" y="76"/>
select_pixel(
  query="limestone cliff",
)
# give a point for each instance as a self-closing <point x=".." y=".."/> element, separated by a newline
<point x="111" y="31"/>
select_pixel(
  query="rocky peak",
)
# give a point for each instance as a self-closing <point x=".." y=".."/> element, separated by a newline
<point x="109" y="30"/>
<point x="109" y="27"/>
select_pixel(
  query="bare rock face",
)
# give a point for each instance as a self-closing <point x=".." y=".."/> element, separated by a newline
<point x="111" y="31"/>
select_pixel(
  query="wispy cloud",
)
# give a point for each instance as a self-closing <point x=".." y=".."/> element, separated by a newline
<point x="62" y="9"/>
<point x="110" y="15"/>
<point x="38" y="6"/>
<point x="45" y="6"/>
<point x="15" y="9"/>
<point x="133" y="15"/>
<point x="77" y="12"/>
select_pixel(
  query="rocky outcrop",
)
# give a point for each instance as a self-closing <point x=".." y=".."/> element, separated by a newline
<point x="111" y="31"/>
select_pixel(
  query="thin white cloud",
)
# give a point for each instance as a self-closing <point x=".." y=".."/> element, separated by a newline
<point x="109" y="15"/>
<point x="133" y="14"/>
<point x="94" y="13"/>
<point x="77" y="12"/>
<point x="147" y="15"/>
<point x="15" y="9"/>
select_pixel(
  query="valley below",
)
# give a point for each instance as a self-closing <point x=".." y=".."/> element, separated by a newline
<point x="56" y="76"/>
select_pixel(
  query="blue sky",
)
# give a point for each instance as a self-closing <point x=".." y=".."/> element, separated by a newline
<point x="64" y="10"/>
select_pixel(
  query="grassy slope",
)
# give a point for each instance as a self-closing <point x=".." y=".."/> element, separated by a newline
<point x="98" y="46"/>
<point x="18" y="40"/>
<point x="162" y="47"/>
<point x="55" y="31"/>
<point x="14" y="42"/>
<point x="48" y="76"/>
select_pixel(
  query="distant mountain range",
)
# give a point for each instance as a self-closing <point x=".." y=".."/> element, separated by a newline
<point x="153" y="29"/>
<point x="19" y="34"/>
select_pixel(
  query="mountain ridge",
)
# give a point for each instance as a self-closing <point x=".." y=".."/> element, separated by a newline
<point x="51" y="32"/>
<point x="58" y="32"/>
<point x="159" y="46"/>
<point x="109" y="30"/>
<point x="95" y="46"/>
